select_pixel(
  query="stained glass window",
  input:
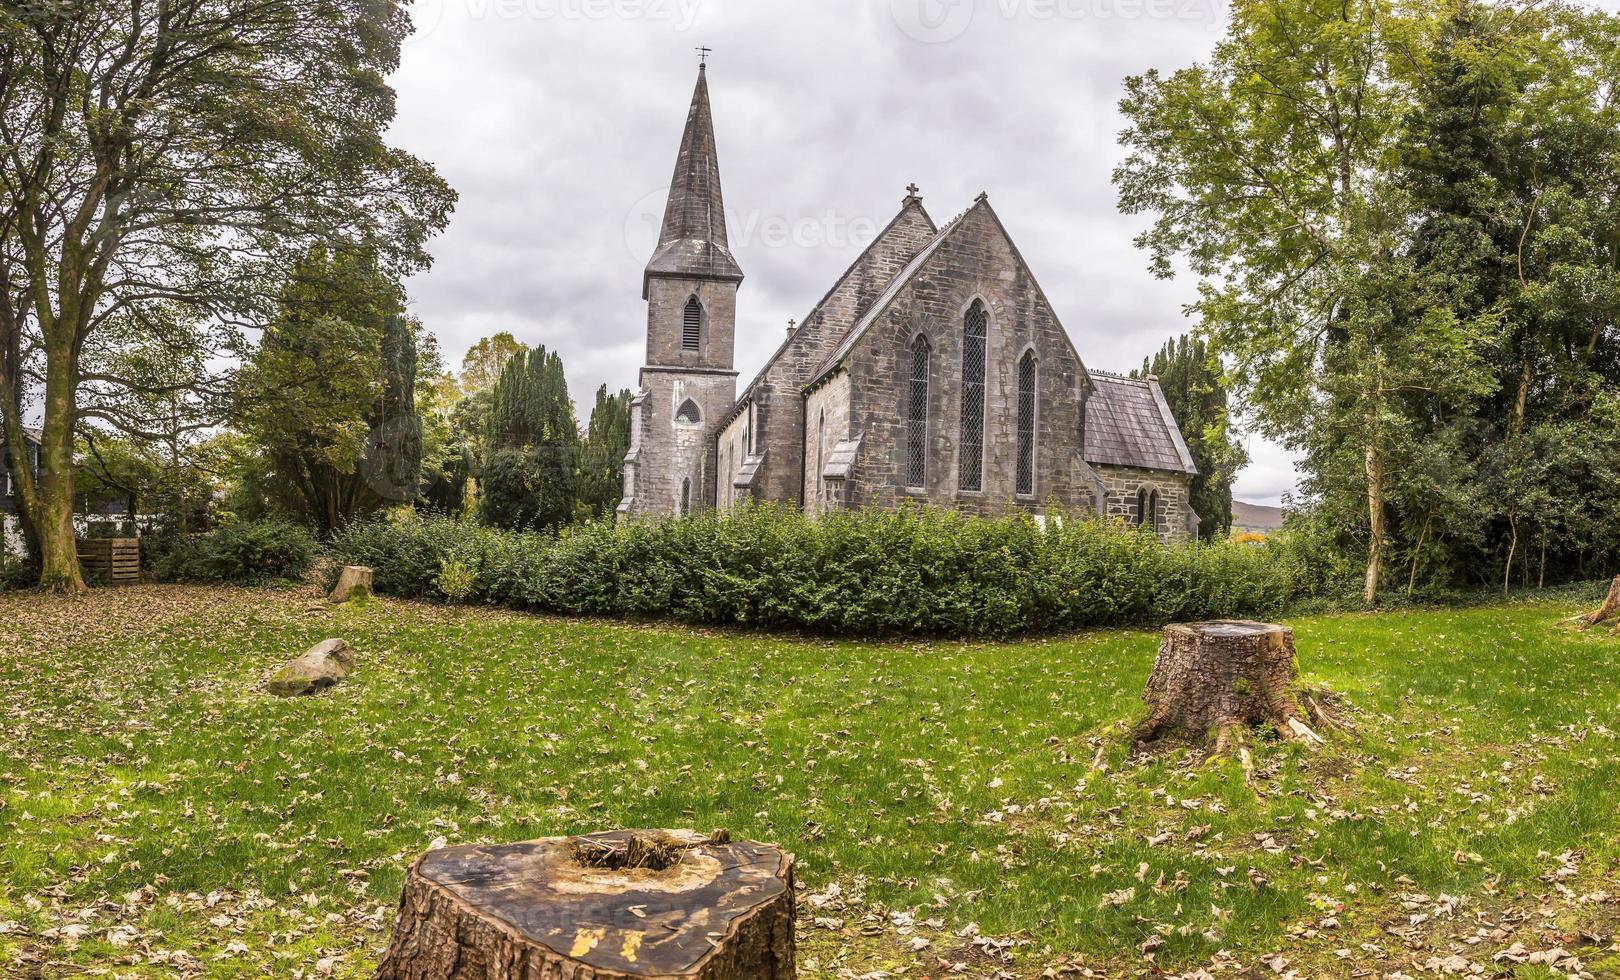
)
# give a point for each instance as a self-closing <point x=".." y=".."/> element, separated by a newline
<point x="975" y="333"/>
<point x="917" y="416"/>
<point x="1026" y="423"/>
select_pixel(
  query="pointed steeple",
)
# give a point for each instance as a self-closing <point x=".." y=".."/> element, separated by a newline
<point x="692" y="242"/>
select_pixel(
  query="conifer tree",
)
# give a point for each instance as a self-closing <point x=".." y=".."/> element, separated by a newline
<point x="1193" y="387"/>
<point x="531" y="447"/>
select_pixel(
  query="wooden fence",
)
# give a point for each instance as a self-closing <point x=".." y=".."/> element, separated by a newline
<point x="116" y="559"/>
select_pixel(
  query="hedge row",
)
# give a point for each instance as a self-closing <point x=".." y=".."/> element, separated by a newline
<point x="913" y="570"/>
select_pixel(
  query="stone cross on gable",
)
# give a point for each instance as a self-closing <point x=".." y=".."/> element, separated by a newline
<point x="911" y="193"/>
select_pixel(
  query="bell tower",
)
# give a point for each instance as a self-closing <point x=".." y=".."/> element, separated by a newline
<point x="687" y="382"/>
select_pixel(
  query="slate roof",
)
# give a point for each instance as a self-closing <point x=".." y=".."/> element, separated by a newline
<point x="1128" y="423"/>
<point x="883" y="301"/>
<point x="819" y="319"/>
<point x="692" y="241"/>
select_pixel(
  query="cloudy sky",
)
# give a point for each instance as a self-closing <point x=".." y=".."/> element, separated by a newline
<point x="557" y="121"/>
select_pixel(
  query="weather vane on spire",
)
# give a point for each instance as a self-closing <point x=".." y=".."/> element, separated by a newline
<point x="703" y="56"/>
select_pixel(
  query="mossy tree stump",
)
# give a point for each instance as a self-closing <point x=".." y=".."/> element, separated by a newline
<point x="623" y="904"/>
<point x="1224" y="677"/>
<point x="353" y="582"/>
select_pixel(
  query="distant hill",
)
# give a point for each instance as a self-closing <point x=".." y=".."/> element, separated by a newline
<point x="1256" y="517"/>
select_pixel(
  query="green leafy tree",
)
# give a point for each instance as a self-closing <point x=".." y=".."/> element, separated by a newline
<point x="181" y="152"/>
<point x="482" y="366"/>
<point x="1196" y="392"/>
<point x="329" y="396"/>
<point x="1513" y="166"/>
<point x="1269" y="171"/>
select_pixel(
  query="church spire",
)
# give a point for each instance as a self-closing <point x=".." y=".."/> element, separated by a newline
<point x="692" y="242"/>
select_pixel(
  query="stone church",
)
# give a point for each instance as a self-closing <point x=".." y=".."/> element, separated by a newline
<point x="934" y="370"/>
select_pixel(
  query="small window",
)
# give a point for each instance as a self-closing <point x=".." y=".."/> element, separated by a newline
<point x="1026" y="424"/>
<point x="692" y="324"/>
<point x="1147" y="508"/>
<point x="686" y="497"/>
<point x="975" y="339"/>
<point x="688" y="413"/>
<point x="917" y="416"/>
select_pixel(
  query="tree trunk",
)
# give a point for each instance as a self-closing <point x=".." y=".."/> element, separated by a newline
<point x="1223" y="677"/>
<point x="1610" y="607"/>
<point x="1513" y="546"/>
<point x="1375" y="517"/>
<point x="1411" y="581"/>
<point x="623" y="904"/>
<point x="58" y="555"/>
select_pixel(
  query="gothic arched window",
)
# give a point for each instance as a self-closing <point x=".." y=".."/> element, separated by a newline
<point x="692" y="324"/>
<point x="686" y="497"/>
<point x="815" y="467"/>
<point x="688" y="413"/>
<point x="917" y="415"/>
<point x="975" y="338"/>
<point x="1147" y="508"/>
<point x="1026" y="424"/>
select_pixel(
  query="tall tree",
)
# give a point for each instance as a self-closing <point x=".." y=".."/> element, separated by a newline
<point x="607" y="439"/>
<point x="531" y="446"/>
<point x="484" y="361"/>
<point x="1513" y="163"/>
<point x="1196" y="392"/>
<point x="330" y="394"/>
<point x="1269" y="171"/>
<point x="179" y="155"/>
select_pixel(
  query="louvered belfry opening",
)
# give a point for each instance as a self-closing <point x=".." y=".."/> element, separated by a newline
<point x="692" y="324"/>
<point x="1026" y="424"/>
<point x="975" y="332"/>
<point x="917" y="416"/>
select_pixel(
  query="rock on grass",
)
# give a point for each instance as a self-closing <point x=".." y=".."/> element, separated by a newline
<point x="321" y="666"/>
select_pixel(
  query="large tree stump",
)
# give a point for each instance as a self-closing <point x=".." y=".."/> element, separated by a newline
<point x="353" y="582"/>
<point x="1610" y="607"/>
<point x="1223" y="677"/>
<point x="613" y="905"/>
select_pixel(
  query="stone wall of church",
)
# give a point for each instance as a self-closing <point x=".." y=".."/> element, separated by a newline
<point x="777" y="398"/>
<point x="826" y="423"/>
<point x="666" y="309"/>
<point x="1175" y="507"/>
<point x="731" y="449"/>
<point x="671" y="454"/>
<point x="975" y="261"/>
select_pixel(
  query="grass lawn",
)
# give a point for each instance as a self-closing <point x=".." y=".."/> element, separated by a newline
<point x="958" y="808"/>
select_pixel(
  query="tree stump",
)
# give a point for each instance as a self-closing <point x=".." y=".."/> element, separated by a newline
<point x="1610" y="607"/>
<point x="1224" y="677"/>
<point x="353" y="581"/>
<point x="622" y="904"/>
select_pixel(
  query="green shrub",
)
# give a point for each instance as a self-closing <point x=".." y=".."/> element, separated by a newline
<point x="247" y="552"/>
<point x="913" y="570"/>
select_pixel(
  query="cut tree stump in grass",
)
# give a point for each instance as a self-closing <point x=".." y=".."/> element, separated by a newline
<point x="1224" y="677"/>
<point x="1610" y="608"/>
<point x="621" y="904"/>
<point x="354" y="581"/>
